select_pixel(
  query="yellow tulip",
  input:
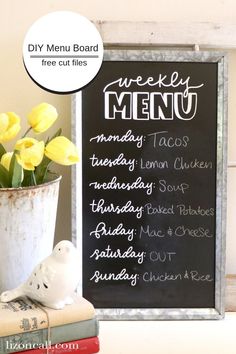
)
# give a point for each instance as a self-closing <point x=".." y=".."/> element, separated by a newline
<point x="42" y="117"/>
<point x="9" y="126"/>
<point x="30" y="154"/>
<point x="6" y="160"/>
<point x="62" y="151"/>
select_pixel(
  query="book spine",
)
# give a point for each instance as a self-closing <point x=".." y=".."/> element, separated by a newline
<point x="82" y="346"/>
<point x="67" y="333"/>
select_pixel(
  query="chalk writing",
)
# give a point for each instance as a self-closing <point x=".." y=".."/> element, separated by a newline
<point x="137" y="184"/>
<point x="146" y="105"/>
<point x="103" y="230"/>
<point x="147" y="165"/>
<point x="189" y="210"/>
<point x="123" y="275"/>
<point x="162" y="81"/>
<point x="179" y="231"/>
<point x="127" y="137"/>
<point x="158" y="140"/>
<point x="120" y="160"/>
<point x="161" y="256"/>
<point x="109" y="253"/>
<point x="192" y="275"/>
<point x="150" y="209"/>
<point x="100" y="207"/>
<point x="181" y="164"/>
<point x="164" y="187"/>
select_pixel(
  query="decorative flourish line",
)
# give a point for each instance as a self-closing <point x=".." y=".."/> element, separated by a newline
<point x="63" y="56"/>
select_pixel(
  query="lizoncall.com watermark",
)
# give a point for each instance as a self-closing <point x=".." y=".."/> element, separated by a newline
<point x="47" y="345"/>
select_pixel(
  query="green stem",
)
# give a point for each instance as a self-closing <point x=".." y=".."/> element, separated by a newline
<point x="34" y="179"/>
<point x="27" y="131"/>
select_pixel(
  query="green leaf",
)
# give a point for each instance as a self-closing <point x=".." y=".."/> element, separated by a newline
<point x="50" y="176"/>
<point x="27" y="181"/>
<point x="4" y="177"/>
<point x="41" y="170"/>
<point x="15" y="172"/>
<point x="2" y="150"/>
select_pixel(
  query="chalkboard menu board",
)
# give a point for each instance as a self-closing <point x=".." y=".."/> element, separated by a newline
<point x="152" y="185"/>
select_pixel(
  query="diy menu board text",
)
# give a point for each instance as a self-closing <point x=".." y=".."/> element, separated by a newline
<point x="149" y="157"/>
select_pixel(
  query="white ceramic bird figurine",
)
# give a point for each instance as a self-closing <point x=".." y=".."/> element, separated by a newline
<point x="53" y="281"/>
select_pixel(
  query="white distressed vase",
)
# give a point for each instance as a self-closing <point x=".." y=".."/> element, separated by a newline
<point x="27" y="226"/>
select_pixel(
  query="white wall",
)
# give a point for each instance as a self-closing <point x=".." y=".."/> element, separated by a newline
<point x="133" y="10"/>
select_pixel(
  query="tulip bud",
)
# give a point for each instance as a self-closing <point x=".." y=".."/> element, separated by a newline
<point x="6" y="160"/>
<point x="62" y="151"/>
<point x="9" y="126"/>
<point x="42" y="117"/>
<point x="30" y="153"/>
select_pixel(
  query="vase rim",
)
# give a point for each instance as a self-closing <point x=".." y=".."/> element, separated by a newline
<point x="57" y="179"/>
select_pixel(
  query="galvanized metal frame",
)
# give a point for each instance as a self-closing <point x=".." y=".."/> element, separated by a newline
<point x="77" y="218"/>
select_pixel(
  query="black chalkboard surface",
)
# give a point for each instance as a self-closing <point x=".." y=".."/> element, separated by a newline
<point x="149" y="184"/>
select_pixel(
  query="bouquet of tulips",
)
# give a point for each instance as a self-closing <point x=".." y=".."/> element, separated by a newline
<point x="30" y="161"/>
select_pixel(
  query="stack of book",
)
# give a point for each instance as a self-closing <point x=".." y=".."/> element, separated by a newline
<point x="26" y="327"/>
